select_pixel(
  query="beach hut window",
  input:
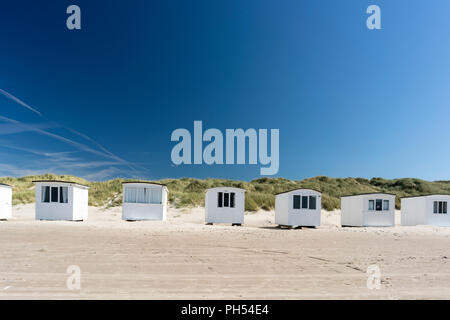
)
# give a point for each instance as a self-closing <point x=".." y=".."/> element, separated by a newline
<point x="440" y="207"/>
<point x="297" y="202"/>
<point x="378" y="205"/>
<point x="45" y="194"/>
<point x="130" y="195"/>
<point x="226" y="199"/>
<point x="63" y="194"/>
<point x="54" y="194"/>
<point x="386" y="205"/>
<point x="220" y="199"/>
<point x="371" y="205"/>
<point x="304" y="202"/>
<point x="155" y="195"/>
<point x="143" y="195"/>
<point x="312" y="202"/>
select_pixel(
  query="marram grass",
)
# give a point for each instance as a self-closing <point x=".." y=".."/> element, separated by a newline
<point x="260" y="193"/>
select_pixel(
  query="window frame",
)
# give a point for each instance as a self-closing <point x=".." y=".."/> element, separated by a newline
<point x="377" y="202"/>
<point x="226" y="199"/>
<point x="147" y="194"/>
<point x="303" y="203"/>
<point x="371" y="201"/>
<point x="44" y="194"/>
<point x="232" y="199"/>
<point x="440" y="207"/>
<point x="298" y="202"/>
<point x="315" y="202"/>
<point x="299" y="199"/>
<point x="372" y="205"/>
<point x="219" y="199"/>
<point x="49" y="191"/>
<point x="61" y="195"/>
<point x="388" y="205"/>
<point x="127" y="195"/>
<point x="51" y="195"/>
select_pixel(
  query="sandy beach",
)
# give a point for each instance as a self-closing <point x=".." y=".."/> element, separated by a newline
<point x="182" y="258"/>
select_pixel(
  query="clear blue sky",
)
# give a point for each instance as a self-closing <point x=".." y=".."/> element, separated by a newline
<point x="348" y="101"/>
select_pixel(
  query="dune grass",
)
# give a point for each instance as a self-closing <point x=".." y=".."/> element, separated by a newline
<point x="260" y="193"/>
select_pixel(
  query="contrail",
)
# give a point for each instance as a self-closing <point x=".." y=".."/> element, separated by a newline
<point x="5" y="144"/>
<point x="17" y="100"/>
<point x="6" y="129"/>
<point x="77" y="145"/>
<point x="92" y="141"/>
<point x="58" y="137"/>
<point x="105" y="153"/>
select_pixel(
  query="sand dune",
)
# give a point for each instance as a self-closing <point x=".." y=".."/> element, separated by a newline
<point x="182" y="258"/>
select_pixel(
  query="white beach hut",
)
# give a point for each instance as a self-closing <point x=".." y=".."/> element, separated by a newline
<point x="144" y="201"/>
<point x="368" y="210"/>
<point x="5" y="201"/>
<point x="300" y="207"/>
<point x="425" y="210"/>
<point x="225" y="205"/>
<point x="61" y="200"/>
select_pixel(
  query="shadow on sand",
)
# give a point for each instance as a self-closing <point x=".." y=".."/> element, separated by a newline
<point x="278" y="227"/>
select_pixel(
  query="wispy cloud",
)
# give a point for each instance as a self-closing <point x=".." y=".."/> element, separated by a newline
<point x="14" y="170"/>
<point x="92" y="141"/>
<point x="64" y="163"/>
<point x="94" y="164"/>
<point x="60" y="155"/>
<point x="20" y="102"/>
<point x="104" y="174"/>
<point x="61" y="159"/>
<point x="61" y="138"/>
<point x="73" y="143"/>
<point x="9" y="128"/>
<point x="14" y="126"/>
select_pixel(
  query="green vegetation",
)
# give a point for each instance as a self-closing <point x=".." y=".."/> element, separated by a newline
<point x="189" y="192"/>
